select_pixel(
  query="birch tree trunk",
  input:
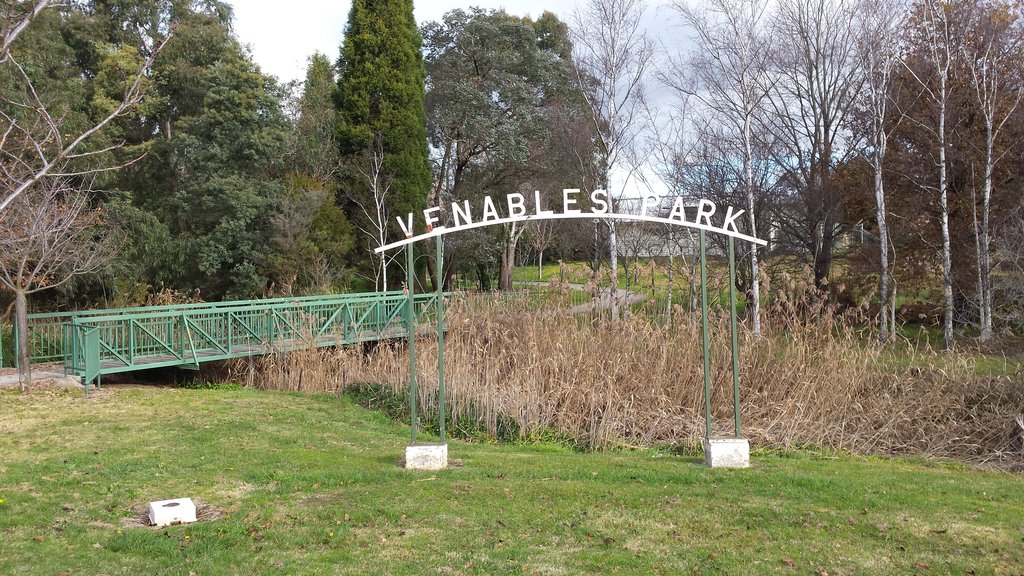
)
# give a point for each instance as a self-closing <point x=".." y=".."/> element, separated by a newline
<point x="984" y="263"/>
<point x="883" y="243"/>
<point x="727" y="72"/>
<point x="938" y="41"/>
<point x="612" y="53"/>
<point x="671" y="275"/>
<point x="754" y="305"/>
<point x="980" y="280"/>
<point x="880" y="39"/>
<point x="613" y="276"/>
<point x="947" y="259"/>
<point x="508" y="256"/>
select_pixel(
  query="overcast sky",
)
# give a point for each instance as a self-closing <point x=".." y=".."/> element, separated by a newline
<point x="283" y="34"/>
<point x="282" y="39"/>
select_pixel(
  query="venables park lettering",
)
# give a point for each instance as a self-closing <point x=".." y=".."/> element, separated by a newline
<point x="517" y="207"/>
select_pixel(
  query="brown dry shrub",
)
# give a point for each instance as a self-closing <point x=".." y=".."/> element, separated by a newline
<point x="811" y="379"/>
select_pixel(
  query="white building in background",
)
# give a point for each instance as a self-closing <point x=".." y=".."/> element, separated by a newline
<point x="639" y="240"/>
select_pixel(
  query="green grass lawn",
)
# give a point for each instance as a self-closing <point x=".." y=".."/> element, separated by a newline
<point x="309" y="485"/>
<point x="580" y="273"/>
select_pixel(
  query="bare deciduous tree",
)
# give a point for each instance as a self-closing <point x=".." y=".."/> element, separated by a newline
<point x="542" y="236"/>
<point x="991" y="52"/>
<point x="939" y="42"/>
<point x="47" y="237"/>
<point x="613" y="57"/>
<point x="375" y="210"/>
<point x="880" y="48"/>
<point x="511" y="234"/>
<point x="816" y="82"/>
<point x="47" y="228"/>
<point x="669" y="146"/>
<point x="727" y="71"/>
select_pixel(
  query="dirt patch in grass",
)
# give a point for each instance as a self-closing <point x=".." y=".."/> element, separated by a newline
<point x="140" y="516"/>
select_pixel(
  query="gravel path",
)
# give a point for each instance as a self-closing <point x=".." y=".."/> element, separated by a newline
<point x="42" y="375"/>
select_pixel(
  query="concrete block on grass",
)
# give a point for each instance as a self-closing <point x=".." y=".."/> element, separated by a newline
<point x="727" y="452"/>
<point x="175" y="511"/>
<point x="425" y="456"/>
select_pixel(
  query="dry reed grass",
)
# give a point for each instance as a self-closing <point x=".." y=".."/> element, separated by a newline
<point x="810" y="380"/>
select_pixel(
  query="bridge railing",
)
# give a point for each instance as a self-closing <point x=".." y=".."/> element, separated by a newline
<point x="133" y="338"/>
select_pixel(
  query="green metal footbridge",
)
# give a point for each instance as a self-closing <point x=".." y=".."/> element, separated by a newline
<point x="92" y="343"/>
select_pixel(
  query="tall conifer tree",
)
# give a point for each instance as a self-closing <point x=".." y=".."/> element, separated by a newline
<point x="380" y="99"/>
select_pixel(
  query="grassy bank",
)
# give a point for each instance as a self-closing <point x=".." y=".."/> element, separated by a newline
<point x="309" y="485"/>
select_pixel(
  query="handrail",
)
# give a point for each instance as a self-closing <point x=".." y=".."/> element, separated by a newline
<point x="211" y="305"/>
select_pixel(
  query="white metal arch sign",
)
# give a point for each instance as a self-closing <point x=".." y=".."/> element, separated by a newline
<point x="706" y="215"/>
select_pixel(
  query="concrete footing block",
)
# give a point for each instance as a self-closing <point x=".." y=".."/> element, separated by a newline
<point x="426" y="456"/>
<point x="727" y="452"/>
<point x="176" y="511"/>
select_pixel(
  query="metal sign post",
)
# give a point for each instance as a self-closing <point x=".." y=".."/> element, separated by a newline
<point x="425" y="455"/>
<point x="410" y="334"/>
<point x="439" y="271"/>
<point x="705" y="339"/>
<point x="735" y="340"/>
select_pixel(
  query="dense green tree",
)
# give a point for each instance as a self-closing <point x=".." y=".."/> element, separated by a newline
<point x="214" y="175"/>
<point x="313" y="236"/>
<point x="315" y="148"/>
<point x="229" y="157"/>
<point x="380" y="103"/>
<point x="226" y="200"/>
<point x="496" y="84"/>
